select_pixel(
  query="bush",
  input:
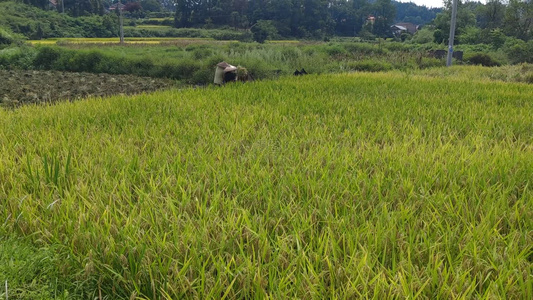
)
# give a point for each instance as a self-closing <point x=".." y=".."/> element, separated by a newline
<point x="229" y="35"/>
<point x="518" y="51"/>
<point x="335" y="50"/>
<point x="429" y="62"/>
<point x="46" y="57"/>
<point x="364" y="48"/>
<point x="263" y="30"/>
<point x="7" y="37"/>
<point x="368" y="66"/>
<point x="202" y="53"/>
<point x="482" y="59"/>
<point x="203" y="76"/>
<point x="423" y="36"/>
<point x="141" y="67"/>
<point x="86" y="61"/>
<point x="182" y="70"/>
<point x="17" y="58"/>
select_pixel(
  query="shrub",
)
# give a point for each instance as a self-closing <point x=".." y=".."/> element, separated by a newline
<point x="202" y="53"/>
<point x="365" y="48"/>
<point x="429" y="62"/>
<point x="423" y="36"/>
<point x="482" y="59"/>
<point x="17" y="58"/>
<point x="518" y="51"/>
<point x="528" y="77"/>
<point x="182" y="70"/>
<point x="86" y="61"/>
<point x="202" y="76"/>
<point x="228" y="35"/>
<point x="141" y="67"/>
<point x="7" y="37"/>
<point x="368" y="66"/>
<point x="335" y="50"/>
<point x="290" y="53"/>
<point x="46" y="57"/>
<point x="263" y="30"/>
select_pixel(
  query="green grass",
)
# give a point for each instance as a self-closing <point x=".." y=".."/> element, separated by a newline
<point x="337" y="186"/>
<point x="31" y="272"/>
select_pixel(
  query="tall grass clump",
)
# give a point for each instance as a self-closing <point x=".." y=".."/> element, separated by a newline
<point x="358" y="185"/>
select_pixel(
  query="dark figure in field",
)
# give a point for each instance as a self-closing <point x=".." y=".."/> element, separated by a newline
<point x="298" y="73"/>
<point x="230" y="77"/>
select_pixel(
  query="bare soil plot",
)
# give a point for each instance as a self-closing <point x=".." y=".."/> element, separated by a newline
<point x="28" y="87"/>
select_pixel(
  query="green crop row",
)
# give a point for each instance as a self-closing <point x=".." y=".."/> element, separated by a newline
<point x="335" y="186"/>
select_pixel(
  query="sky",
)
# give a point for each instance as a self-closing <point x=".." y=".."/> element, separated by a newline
<point x="428" y="3"/>
<point x="431" y="3"/>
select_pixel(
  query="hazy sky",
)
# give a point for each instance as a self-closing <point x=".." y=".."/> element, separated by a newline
<point x="433" y="3"/>
<point x="428" y="3"/>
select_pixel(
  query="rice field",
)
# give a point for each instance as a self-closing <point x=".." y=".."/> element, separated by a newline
<point x="382" y="185"/>
<point x="147" y="40"/>
<point x="115" y="40"/>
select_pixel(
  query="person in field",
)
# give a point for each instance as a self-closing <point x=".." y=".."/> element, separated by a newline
<point x="225" y="73"/>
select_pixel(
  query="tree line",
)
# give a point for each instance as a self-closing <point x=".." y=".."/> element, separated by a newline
<point x="477" y="23"/>
<point x="489" y="23"/>
<point x="290" y="18"/>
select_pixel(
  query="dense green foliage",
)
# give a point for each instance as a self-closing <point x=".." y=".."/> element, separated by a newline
<point x="196" y="63"/>
<point x="290" y="18"/>
<point x="7" y="38"/>
<point x="35" y="23"/>
<point x="412" y="13"/>
<point x="492" y="23"/>
<point x="345" y="186"/>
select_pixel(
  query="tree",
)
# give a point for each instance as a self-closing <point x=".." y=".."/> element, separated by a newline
<point x="132" y="7"/>
<point x="465" y="18"/>
<point x="42" y="4"/>
<point x="263" y="30"/>
<point x="184" y="9"/>
<point x="518" y="20"/>
<point x="77" y="8"/>
<point x="151" y="5"/>
<point x="491" y="15"/>
<point x="384" y="12"/>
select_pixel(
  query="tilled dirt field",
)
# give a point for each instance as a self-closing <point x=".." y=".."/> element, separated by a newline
<point x="27" y="87"/>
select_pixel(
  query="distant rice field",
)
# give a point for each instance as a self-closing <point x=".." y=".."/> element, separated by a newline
<point x="128" y="40"/>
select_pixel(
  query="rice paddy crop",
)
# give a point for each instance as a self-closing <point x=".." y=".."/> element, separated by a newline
<point x="337" y="186"/>
<point x="128" y="40"/>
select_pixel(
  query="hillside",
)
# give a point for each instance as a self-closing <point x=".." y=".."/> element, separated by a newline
<point x="416" y="14"/>
<point x="35" y="23"/>
<point x="350" y="186"/>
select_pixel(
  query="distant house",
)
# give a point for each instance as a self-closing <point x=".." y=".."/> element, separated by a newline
<point x="399" y="28"/>
<point x="52" y="3"/>
<point x="119" y="5"/>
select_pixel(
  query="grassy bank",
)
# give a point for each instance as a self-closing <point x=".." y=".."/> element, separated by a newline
<point x="193" y="60"/>
<point x="359" y="185"/>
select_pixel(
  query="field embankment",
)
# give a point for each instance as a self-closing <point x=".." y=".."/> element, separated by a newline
<point x="348" y="186"/>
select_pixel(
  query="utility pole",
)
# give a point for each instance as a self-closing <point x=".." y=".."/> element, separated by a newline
<point x="121" y="22"/>
<point x="63" y="6"/>
<point x="452" y="33"/>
